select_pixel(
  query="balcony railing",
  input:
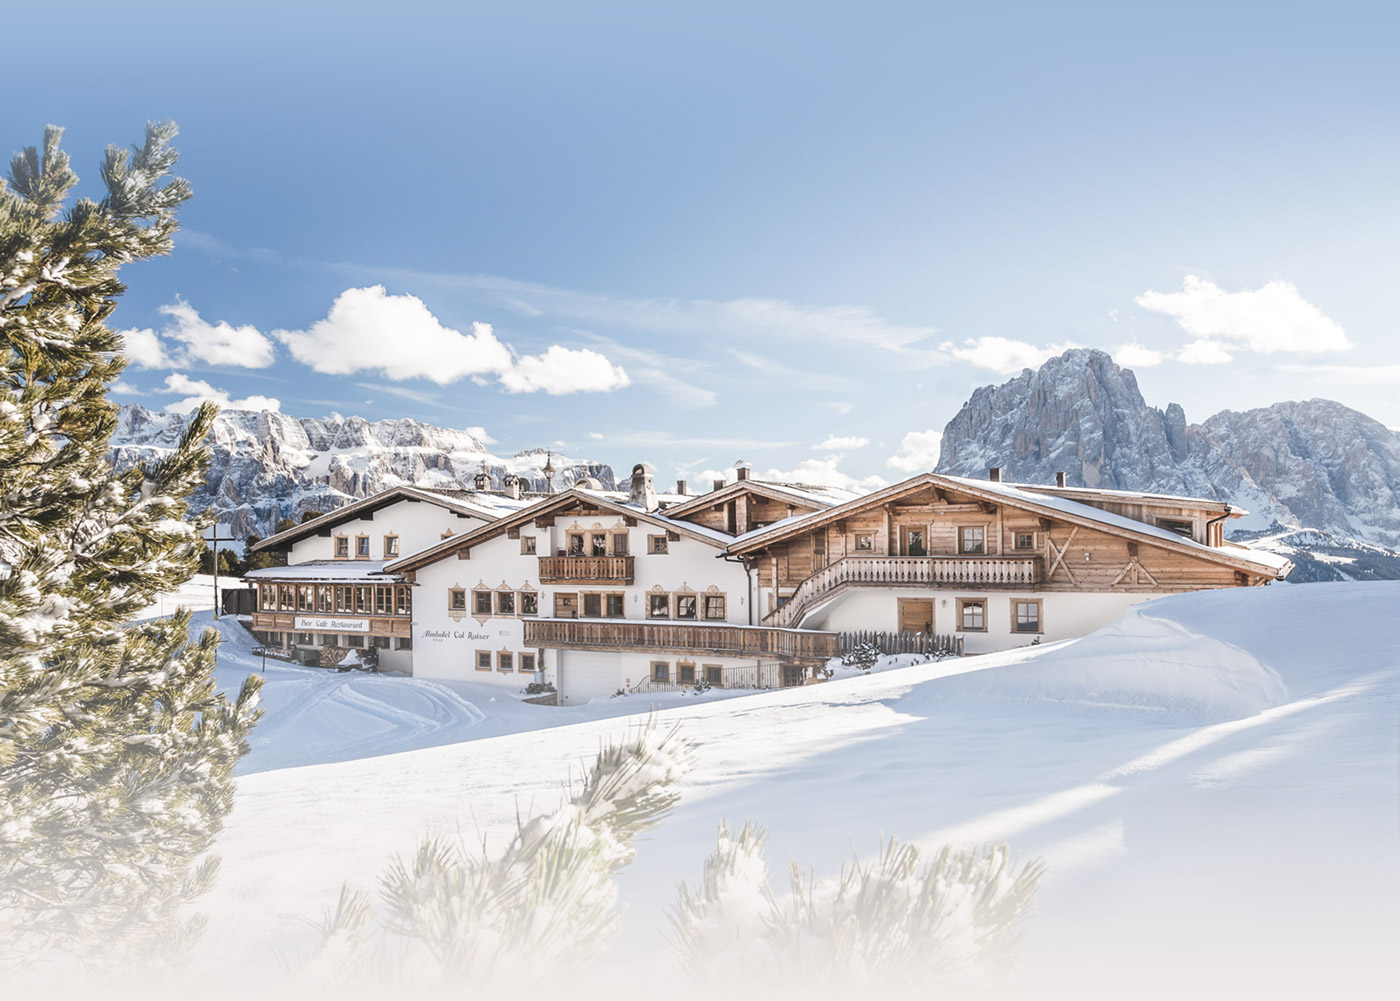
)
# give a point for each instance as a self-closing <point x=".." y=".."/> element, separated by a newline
<point x="641" y="636"/>
<point x="914" y="571"/>
<point x="565" y="569"/>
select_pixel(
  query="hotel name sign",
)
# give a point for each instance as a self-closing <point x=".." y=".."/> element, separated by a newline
<point x="307" y="622"/>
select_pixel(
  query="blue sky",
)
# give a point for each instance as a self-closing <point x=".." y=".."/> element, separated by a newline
<point x="796" y="234"/>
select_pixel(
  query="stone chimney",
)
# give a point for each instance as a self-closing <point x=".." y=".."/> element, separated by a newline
<point x="643" y="494"/>
<point x="717" y="484"/>
<point x="742" y="469"/>
<point x="994" y="474"/>
<point x="680" y="487"/>
<point x="1059" y="479"/>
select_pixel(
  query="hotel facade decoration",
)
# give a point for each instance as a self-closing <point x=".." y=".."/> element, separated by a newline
<point x="751" y="585"/>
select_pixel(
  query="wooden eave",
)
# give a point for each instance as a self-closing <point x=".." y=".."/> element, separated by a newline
<point x="545" y="508"/>
<point x="884" y="497"/>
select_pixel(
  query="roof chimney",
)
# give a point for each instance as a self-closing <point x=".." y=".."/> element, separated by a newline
<point x="994" y="474"/>
<point x="512" y="485"/>
<point x="741" y="468"/>
<point x="1059" y="479"/>
<point x="642" y="495"/>
<point x="680" y="487"/>
<point x="717" y="484"/>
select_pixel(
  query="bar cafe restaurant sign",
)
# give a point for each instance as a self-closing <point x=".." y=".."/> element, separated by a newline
<point x="308" y="622"/>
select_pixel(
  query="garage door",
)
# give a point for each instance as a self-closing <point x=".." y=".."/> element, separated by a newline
<point x="588" y="675"/>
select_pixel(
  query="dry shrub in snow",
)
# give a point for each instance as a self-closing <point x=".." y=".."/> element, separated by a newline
<point x="545" y="907"/>
<point x="901" y="923"/>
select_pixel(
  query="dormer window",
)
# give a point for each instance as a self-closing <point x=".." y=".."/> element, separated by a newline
<point x="1182" y="528"/>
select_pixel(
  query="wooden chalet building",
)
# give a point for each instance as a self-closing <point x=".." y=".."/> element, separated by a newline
<point x="753" y="584"/>
<point x="993" y="564"/>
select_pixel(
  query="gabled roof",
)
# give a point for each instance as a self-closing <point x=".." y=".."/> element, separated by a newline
<point x="551" y="505"/>
<point x="464" y="502"/>
<point x="1063" y="508"/>
<point x="785" y="493"/>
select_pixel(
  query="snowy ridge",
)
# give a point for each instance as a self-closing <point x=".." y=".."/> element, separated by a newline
<point x="267" y="466"/>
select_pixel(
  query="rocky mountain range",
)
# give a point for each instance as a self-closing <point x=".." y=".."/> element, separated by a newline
<point x="268" y="466"/>
<point x="1315" y="471"/>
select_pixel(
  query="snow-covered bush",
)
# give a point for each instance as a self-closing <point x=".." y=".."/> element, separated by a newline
<point x="702" y="686"/>
<point x="539" y="688"/>
<point x="902" y="923"/>
<point x="862" y="656"/>
<point x="542" y="909"/>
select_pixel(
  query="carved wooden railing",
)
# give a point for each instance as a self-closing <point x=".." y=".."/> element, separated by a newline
<point x="641" y="635"/>
<point x="915" y="571"/>
<point x="563" y="569"/>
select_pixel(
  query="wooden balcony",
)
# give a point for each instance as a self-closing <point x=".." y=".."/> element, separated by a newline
<point x="718" y="639"/>
<point x="586" y="569"/>
<point x="906" y="571"/>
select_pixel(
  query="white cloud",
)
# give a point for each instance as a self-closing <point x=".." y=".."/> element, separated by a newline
<point x="189" y="339"/>
<point x="479" y="433"/>
<point x="367" y="329"/>
<point x="918" y="451"/>
<point x="143" y="348"/>
<point x="120" y="388"/>
<point x="1001" y="354"/>
<point x="1350" y="375"/>
<point x="824" y="473"/>
<point x="595" y="436"/>
<point x="839" y="407"/>
<point x="196" y="391"/>
<point x="837" y="443"/>
<point x="1135" y="355"/>
<point x="1274" y="317"/>
<point x="563" y="370"/>
<point x="1204" y="352"/>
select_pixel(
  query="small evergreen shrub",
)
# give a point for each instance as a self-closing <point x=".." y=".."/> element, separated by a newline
<point x="863" y="656"/>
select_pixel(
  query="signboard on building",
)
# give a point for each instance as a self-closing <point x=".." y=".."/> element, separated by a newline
<point x="327" y="624"/>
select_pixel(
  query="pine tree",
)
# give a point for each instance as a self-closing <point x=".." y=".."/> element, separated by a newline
<point x="116" y="751"/>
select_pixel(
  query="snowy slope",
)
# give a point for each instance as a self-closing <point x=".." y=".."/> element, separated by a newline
<point x="1211" y="781"/>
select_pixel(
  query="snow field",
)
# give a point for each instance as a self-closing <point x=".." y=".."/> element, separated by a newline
<point x="1211" y="781"/>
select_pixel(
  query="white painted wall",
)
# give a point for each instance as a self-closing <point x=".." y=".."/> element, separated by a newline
<point x="445" y="647"/>
<point x="418" y="526"/>
<point x="1063" y="615"/>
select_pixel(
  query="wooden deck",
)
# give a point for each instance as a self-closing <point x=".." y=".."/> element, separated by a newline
<point x="630" y="636"/>
<point x="581" y="569"/>
<point x="913" y="571"/>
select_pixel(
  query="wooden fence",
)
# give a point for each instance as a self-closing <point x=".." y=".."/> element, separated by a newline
<point x="924" y="644"/>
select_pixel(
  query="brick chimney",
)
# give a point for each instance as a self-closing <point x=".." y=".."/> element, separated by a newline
<point x="1059" y="479"/>
<point x="994" y="474"/>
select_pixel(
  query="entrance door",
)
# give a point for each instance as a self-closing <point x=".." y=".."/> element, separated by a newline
<point x="916" y="615"/>
<point x="565" y="606"/>
<point x="914" y="542"/>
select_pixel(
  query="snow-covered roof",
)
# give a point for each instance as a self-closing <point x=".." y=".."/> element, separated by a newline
<point x="800" y="493"/>
<point x="1144" y="497"/>
<point x="604" y="498"/>
<point x="472" y="503"/>
<point x="369" y="571"/>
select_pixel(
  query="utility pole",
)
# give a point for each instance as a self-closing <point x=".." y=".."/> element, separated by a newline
<point x="214" y="538"/>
